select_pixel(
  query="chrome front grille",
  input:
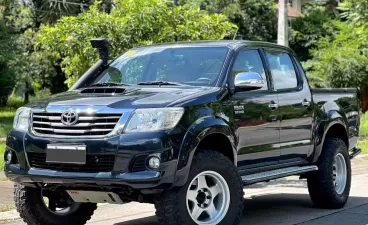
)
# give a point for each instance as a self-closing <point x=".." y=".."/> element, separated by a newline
<point x="87" y="124"/>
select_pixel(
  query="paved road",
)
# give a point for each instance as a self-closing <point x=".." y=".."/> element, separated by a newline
<point x="281" y="202"/>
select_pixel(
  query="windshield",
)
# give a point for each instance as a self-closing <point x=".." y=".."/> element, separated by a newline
<point x="198" y="66"/>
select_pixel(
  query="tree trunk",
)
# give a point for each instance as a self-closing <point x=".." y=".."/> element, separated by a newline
<point x="26" y="93"/>
<point x="364" y="101"/>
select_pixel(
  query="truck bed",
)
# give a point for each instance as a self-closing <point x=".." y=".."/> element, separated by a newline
<point x="343" y="101"/>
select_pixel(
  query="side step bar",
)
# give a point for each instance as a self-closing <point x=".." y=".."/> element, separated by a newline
<point x="354" y="152"/>
<point x="279" y="173"/>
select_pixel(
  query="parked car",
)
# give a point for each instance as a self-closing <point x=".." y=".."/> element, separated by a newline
<point x="184" y="126"/>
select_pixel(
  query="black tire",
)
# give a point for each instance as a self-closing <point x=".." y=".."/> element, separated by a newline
<point x="171" y="208"/>
<point x="33" y="211"/>
<point x="321" y="183"/>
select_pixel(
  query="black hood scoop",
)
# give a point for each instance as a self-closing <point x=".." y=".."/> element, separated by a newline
<point x="104" y="90"/>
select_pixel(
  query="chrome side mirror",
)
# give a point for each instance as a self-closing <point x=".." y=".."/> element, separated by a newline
<point x="248" y="81"/>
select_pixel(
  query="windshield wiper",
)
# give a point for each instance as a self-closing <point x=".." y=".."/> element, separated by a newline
<point x="160" y="83"/>
<point x="108" y="84"/>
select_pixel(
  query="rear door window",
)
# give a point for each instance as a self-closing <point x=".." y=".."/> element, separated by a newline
<point x="282" y="70"/>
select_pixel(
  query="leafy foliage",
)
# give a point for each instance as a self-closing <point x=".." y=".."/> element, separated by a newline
<point x="256" y="19"/>
<point x="130" y="23"/>
<point x="306" y="31"/>
<point x="343" y="58"/>
<point x="356" y="11"/>
<point x="7" y="50"/>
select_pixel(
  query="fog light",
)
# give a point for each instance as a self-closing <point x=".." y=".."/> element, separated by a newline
<point x="154" y="163"/>
<point x="9" y="157"/>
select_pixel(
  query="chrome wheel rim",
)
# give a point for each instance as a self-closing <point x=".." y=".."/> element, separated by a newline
<point x="339" y="173"/>
<point x="208" y="198"/>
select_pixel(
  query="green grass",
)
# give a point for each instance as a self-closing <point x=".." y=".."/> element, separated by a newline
<point x="364" y="146"/>
<point x="4" y="208"/>
<point x="2" y="150"/>
<point x="364" y="126"/>
<point x="6" y="121"/>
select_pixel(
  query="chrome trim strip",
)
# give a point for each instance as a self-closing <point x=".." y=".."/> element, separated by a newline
<point x="76" y="125"/>
<point x="79" y="118"/>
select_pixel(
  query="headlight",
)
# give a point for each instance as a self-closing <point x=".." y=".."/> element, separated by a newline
<point x="146" y="120"/>
<point x="21" y="119"/>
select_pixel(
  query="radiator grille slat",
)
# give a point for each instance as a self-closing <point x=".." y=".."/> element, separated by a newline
<point x="88" y="124"/>
<point x="94" y="163"/>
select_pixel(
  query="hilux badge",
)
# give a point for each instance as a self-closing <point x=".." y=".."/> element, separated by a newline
<point x="69" y="118"/>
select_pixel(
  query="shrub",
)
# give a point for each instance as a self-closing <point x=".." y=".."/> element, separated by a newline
<point x="15" y="102"/>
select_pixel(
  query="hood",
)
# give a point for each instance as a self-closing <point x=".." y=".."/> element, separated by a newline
<point x="130" y="98"/>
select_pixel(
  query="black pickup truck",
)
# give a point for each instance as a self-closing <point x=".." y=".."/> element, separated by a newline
<point x="184" y="126"/>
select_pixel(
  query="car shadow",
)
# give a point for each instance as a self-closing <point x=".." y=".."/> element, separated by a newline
<point x="288" y="209"/>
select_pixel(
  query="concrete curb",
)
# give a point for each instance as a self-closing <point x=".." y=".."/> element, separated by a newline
<point x="2" y="175"/>
<point x="9" y="216"/>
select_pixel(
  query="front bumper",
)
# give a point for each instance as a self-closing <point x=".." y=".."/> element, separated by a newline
<point x="125" y="149"/>
<point x="135" y="180"/>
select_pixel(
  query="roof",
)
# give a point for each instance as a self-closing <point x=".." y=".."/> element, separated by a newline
<point x="292" y="12"/>
<point x="232" y="44"/>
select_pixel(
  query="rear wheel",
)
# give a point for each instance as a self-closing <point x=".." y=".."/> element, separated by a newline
<point x="212" y="195"/>
<point x="329" y="187"/>
<point x="40" y="207"/>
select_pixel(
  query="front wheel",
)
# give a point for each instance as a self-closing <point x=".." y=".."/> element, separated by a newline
<point x="213" y="194"/>
<point x="41" y="207"/>
<point x="329" y="187"/>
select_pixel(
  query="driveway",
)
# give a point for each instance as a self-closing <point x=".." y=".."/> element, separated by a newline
<point x="280" y="202"/>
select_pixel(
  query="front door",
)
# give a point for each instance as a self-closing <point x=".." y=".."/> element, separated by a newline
<point x="295" y="107"/>
<point x="256" y="117"/>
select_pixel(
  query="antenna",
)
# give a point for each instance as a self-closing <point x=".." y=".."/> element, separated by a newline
<point x="236" y="33"/>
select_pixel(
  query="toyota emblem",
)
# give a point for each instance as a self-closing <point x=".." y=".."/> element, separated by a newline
<point x="69" y="118"/>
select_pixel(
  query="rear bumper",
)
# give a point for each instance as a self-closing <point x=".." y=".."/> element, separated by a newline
<point x="125" y="149"/>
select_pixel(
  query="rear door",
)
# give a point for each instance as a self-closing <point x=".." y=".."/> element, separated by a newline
<point x="256" y="116"/>
<point x="295" y="108"/>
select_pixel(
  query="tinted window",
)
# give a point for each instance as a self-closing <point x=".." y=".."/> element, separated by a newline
<point x="282" y="70"/>
<point x="249" y="61"/>
<point x="188" y="65"/>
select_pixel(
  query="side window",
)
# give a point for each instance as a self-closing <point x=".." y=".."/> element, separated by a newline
<point x="282" y="70"/>
<point x="249" y="61"/>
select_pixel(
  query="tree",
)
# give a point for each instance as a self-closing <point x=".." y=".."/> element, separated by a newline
<point x="130" y="23"/>
<point x="256" y="19"/>
<point x="356" y="11"/>
<point x="343" y="58"/>
<point x="7" y="49"/>
<point x="259" y="20"/>
<point x="307" y="31"/>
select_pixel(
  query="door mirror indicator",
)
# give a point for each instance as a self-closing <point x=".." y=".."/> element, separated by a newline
<point x="248" y="81"/>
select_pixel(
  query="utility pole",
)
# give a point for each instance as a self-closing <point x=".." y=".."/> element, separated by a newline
<point x="282" y="31"/>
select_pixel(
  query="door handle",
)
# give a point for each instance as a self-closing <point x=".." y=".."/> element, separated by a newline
<point x="273" y="105"/>
<point x="306" y="103"/>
